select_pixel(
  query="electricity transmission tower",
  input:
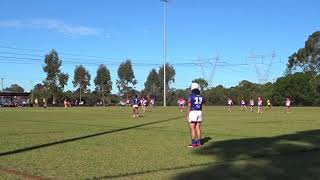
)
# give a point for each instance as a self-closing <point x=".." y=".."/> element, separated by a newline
<point x="208" y="68"/>
<point x="262" y="65"/>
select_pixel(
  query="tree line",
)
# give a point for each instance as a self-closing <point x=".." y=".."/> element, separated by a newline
<point x="301" y="82"/>
<point x="52" y="87"/>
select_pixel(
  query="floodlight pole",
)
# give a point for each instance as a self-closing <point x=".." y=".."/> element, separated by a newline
<point x="2" y="84"/>
<point x="32" y="89"/>
<point x="80" y="94"/>
<point x="164" y="52"/>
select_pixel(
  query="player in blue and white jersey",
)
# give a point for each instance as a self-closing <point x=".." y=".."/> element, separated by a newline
<point x="135" y="107"/>
<point x="194" y="115"/>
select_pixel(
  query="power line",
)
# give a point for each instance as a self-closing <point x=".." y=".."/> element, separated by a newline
<point x="8" y="55"/>
<point x="88" y="61"/>
<point x="83" y="58"/>
<point x="25" y="60"/>
<point x="62" y="53"/>
<point x="101" y="60"/>
<point x="205" y="61"/>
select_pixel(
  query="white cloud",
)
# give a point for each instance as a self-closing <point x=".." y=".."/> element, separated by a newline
<point x="53" y="25"/>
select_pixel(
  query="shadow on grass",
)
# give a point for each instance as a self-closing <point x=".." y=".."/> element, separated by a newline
<point x="205" y="140"/>
<point x="82" y="137"/>
<point x="292" y="156"/>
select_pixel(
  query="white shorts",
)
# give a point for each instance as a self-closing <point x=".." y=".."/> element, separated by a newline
<point x="195" y="116"/>
<point x="135" y="106"/>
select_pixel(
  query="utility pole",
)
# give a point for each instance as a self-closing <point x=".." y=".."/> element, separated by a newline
<point x="32" y="89"/>
<point x="164" y="52"/>
<point x="80" y="94"/>
<point x="2" y="84"/>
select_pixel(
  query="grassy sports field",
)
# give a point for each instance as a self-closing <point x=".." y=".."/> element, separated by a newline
<point x="102" y="143"/>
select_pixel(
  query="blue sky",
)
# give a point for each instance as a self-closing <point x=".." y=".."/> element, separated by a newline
<point x="95" y="32"/>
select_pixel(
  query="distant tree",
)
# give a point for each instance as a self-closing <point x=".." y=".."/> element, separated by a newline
<point x="307" y="58"/>
<point x="103" y="82"/>
<point x="174" y="94"/>
<point x="215" y="96"/>
<point x="81" y="79"/>
<point x="297" y="86"/>
<point x="247" y="90"/>
<point x="55" y="80"/>
<point x="39" y="91"/>
<point x="93" y="98"/>
<point x="152" y="85"/>
<point x="15" y="88"/>
<point x="266" y="91"/>
<point x="69" y="95"/>
<point x="170" y="76"/>
<point x="202" y="83"/>
<point x="317" y="90"/>
<point x="126" y="78"/>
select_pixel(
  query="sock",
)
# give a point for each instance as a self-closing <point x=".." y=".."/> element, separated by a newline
<point x="194" y="142"/>
<point x="199" y="142"/>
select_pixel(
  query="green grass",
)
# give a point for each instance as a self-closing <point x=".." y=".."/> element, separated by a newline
<point x="101" y="143"/>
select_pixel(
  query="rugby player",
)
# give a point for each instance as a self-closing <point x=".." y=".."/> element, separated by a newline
<point x="194" y="115"/>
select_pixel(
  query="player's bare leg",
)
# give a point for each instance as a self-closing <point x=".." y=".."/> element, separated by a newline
<point x="192" y="130"/>
<point x="192" y="127"/>
<point x="137" y="112"/>
<point x="134" y="113"/>
<point x="287" y="109"/>
<point x="198" y="129"/>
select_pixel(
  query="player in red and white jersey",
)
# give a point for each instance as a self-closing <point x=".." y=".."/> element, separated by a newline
<point x="243" y="105"/>
<point x="152" y="102"/>
<point x="181" y="104"/>
<point x="144" y="104"/>
<point x="178" y="102"/>
<point x="128" y="102"/>
<point x="229" y="103"/>
<point x="260" y="103"/>
<point x="288" y="105"/>
<point x="251" y="104"/>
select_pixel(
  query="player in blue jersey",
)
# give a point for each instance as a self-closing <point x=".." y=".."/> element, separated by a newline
<point x="194" y="115"/>
<point x="135" y="107"/>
